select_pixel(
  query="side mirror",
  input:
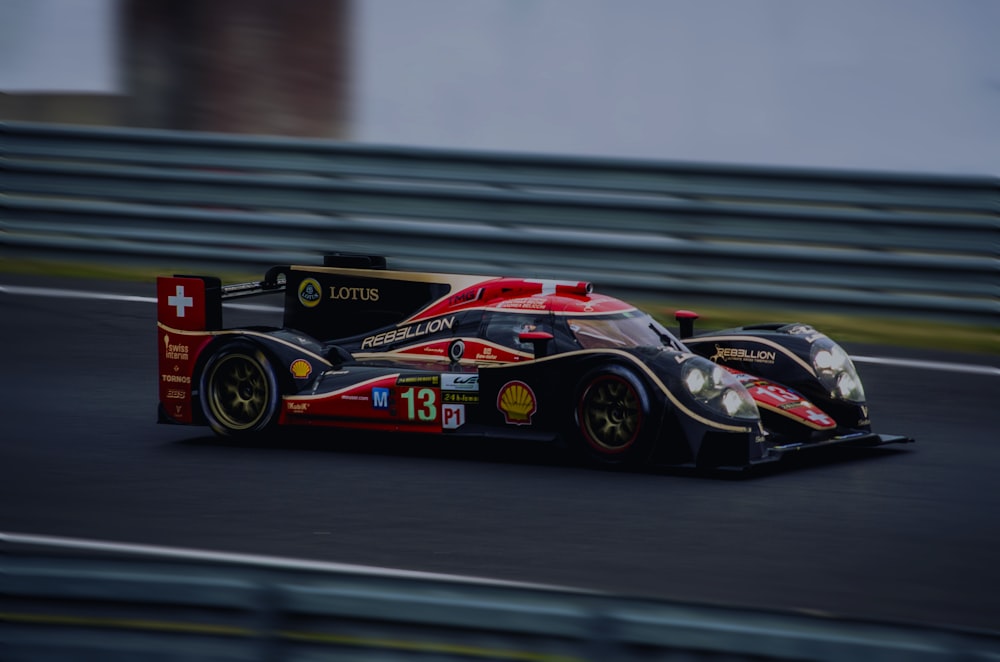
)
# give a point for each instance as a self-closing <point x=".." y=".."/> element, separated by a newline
<point x="538" y="339"/>
<point x="685" y="322"/>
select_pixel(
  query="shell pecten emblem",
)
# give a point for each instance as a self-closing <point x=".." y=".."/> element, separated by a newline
<point x="517" y="402"/>
<point x="301" y="368"/>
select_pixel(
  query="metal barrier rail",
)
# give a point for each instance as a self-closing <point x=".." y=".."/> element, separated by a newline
<point x="914" y="244"/>
<point x="63" y="599"/>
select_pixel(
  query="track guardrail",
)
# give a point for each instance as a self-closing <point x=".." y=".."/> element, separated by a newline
<point x="913" y="244"/>
<point x="65" y="599"/>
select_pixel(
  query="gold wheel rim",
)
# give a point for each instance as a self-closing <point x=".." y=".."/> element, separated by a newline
<point x="611" y="414"/>
<point x="238" y="392"/>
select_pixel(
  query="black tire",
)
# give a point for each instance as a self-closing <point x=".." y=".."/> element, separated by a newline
<point x="613" y="417"/>
<point x="239" y="391"/>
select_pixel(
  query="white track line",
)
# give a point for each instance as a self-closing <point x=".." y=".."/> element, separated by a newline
<point x="105" y="296"/>
<point x="283" y="563"/>
<point x="930" y="365"/>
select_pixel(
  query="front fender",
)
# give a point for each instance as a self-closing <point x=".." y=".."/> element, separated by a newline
<point x="780" y="353"/>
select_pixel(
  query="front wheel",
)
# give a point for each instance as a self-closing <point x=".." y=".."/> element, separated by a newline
<point x="612" y="417"/>
<point x="239" y="392"/>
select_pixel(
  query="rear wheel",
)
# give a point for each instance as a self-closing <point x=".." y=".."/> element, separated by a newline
<point x="612" y="410"/>
<point x="239" y="392"/>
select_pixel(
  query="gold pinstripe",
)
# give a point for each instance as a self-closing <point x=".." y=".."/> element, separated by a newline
<point x="464" y="280"/>
<point x="242" y="332"/>
<point x="652" y="376"/>
<point x="649" y="373"/>
<point x="399" y="353"/>
<point x="318" y="396"/>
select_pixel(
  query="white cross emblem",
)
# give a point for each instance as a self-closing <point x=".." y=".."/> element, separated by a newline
<point x="180" y="302"/>
<point x="818" y="417"/>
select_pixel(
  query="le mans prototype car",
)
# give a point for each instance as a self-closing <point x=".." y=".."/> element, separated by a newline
<point x="366" y="348"/>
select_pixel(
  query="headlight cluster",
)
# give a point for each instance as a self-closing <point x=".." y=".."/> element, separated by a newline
<point x="836" y="371"/>
<point x="711" y="385"/>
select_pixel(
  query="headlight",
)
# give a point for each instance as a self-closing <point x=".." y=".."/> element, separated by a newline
<point x="711" y="385"/>
<point x="836" y="371"/>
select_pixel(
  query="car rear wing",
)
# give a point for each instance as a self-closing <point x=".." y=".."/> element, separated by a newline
<point x="194" y="303"/>
<point x="274" y="281"/>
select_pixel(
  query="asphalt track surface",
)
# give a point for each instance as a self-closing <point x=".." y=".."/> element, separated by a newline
<point x="905" y="534"/>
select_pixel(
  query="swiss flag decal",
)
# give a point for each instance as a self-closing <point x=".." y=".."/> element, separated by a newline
<point x="180" y="303"/>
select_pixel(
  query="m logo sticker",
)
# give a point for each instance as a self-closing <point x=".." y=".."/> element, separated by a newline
<point x="380" y="398"/>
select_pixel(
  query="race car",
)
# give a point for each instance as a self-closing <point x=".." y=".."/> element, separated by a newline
<point x="363" y="347"/>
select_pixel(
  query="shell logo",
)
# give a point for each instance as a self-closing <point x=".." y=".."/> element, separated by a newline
<point x="517" y="402"/>
<point x="301" y="368"/>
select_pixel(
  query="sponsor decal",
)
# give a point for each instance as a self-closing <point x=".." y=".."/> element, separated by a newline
<point x="176" y="394"/>
<point x="174" y="352"/>
<point x="517" y="402"/>
<point x="300" y="368"/>
<point x="310" y="293"/>
<point x="356" y="398"/>
<point x="525" y="303"/>
<point x="460" y="397"/>
<point x="354" y="293"/>
<point x="175" y="379"/>
<point x="452" y="416"/>
<point x="418" y="380"/>
<point x="742" y="354"/>
<point x="297" y="407"/>
<point x="407" y="332"/>
<point x="465" y="297"/>
<point x="380" y="398"/>
<point x="460" y="382"/>
<point x="432" y="349"/>
<point x="488" y="353"/>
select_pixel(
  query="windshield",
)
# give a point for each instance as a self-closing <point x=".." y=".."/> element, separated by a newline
<point x="631" y="329"/>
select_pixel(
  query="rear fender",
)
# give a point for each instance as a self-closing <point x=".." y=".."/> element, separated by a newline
<point x="188" y="309"/>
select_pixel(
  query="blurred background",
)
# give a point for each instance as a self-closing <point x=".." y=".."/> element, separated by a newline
<point x="909" y="85"/>
<point x="635" y="94"/>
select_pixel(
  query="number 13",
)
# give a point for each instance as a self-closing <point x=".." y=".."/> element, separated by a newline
<point x="420" y="404"/>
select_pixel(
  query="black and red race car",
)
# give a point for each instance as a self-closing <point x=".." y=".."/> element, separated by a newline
<point x="366" y="348"/>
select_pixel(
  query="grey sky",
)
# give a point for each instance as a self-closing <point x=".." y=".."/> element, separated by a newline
<point x="885" y="84"/>
<point x="59" y="46"/>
